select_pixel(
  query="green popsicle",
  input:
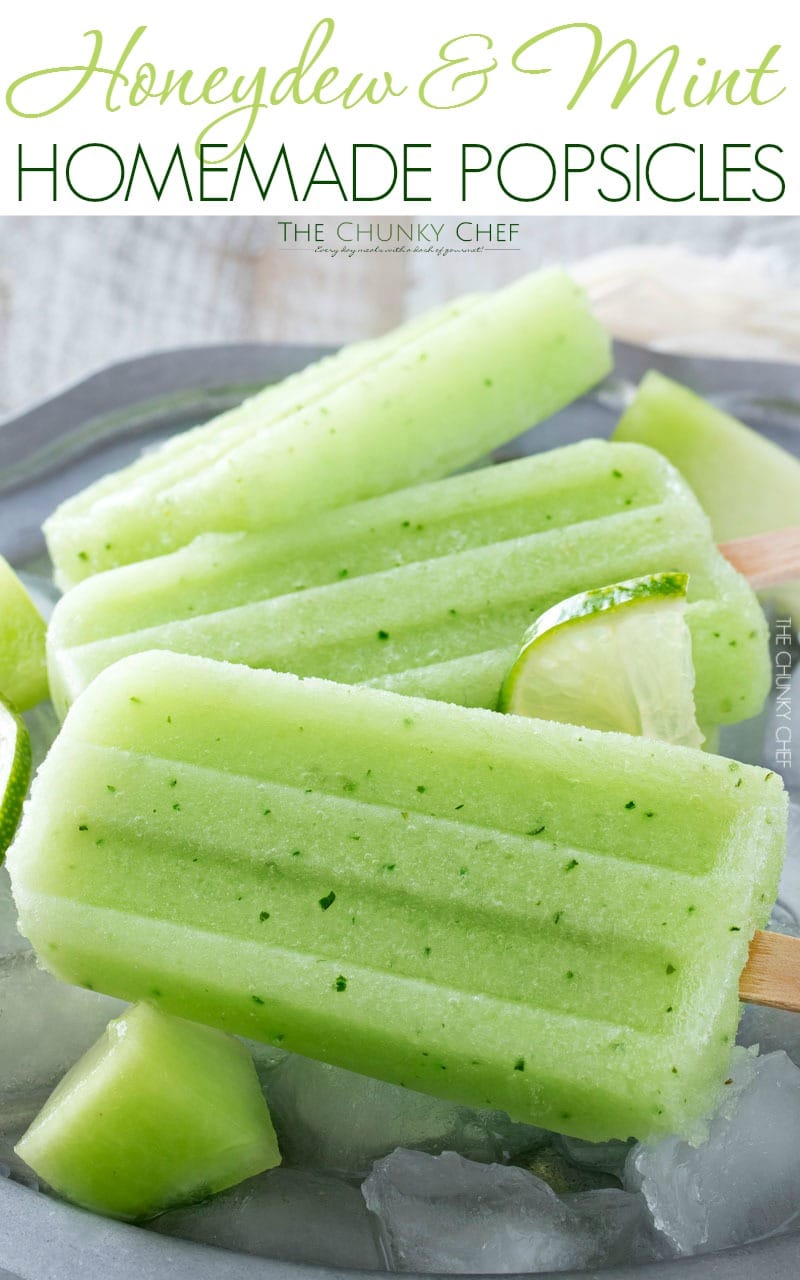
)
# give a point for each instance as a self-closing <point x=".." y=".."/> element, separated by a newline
<point x="430" y="589"/>
<point x="160" y="1112"/>
<point x="513" y="913"/>
<point x="436" y="402"/>
<point x="186" y="453"/>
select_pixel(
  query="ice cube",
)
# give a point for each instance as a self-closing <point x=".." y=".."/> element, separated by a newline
<point x="770" y="1030"/>
<point x="288" y="1214"/>
<point x="331" y="1119"/>
<point x="45" y="1025"/>
<point x="742" y="1183"/>
<point x="447" y="1214"/>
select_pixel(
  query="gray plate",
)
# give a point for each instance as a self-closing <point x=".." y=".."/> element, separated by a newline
<point x="103" y="422"/>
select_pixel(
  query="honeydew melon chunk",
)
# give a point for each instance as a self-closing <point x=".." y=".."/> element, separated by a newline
<point x="23" y="670"/>
<point x="159" y="1112"/>
<point x="435" y="404"/>
<point x="746" y="483"/>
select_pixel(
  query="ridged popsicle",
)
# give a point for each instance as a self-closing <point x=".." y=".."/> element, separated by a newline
<point x="429" y="591"/>
<point x="403" y="411"/>
<point x="507" y="912"/>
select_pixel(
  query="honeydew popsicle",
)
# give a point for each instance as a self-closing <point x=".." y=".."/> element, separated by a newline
<point x="429" y="590"/>
<point x="199" y="446"/>
<point x="508" y="912"/>
<point x="436" y="398"/>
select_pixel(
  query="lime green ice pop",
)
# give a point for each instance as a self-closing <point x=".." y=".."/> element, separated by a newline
<point x="424" y="402"/>
<point x="429" y="591"/>
<point x="511" y="913"/>
<point x="192" y="449"/>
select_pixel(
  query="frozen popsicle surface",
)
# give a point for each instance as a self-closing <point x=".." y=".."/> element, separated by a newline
<point x="430" y="590"/>
<point x="419" y="404"/>
<point x="507" y="912"/>
<point x="188" y="451"/>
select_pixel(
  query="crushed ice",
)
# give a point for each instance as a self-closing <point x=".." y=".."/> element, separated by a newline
<point x="447" y="1214"/>
<point x="743" y="1183"/>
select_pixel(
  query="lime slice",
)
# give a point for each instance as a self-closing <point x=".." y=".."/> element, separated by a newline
<point x="15" y="772"/>
<point x="23" y="668"/>
<point x="617" y="658"/>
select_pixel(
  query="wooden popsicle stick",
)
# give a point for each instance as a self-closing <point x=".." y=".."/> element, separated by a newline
<point x="766" y="559"/>
<point x="772" y="973"/>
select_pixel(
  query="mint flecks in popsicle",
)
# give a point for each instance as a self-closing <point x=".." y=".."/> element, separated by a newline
<point x="429" y="590"/>
<point x="439" y="400"/>
<point x="746" y="483"/>
<point x="522" y="922"/>
<point x="160" y="1112"/>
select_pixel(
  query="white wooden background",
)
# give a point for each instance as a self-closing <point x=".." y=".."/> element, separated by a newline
<point x="77" y="293"/>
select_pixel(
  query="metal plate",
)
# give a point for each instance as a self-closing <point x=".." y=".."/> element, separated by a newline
<point x="56" y="448"/>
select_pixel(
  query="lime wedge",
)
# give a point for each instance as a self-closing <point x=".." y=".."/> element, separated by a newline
<point x="617" y="658"/>
<point x="23" y="667"/>
<point x="15" y="772"/>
